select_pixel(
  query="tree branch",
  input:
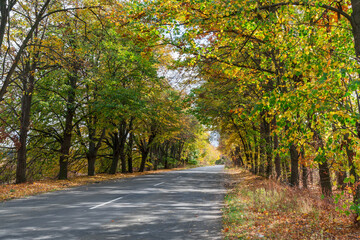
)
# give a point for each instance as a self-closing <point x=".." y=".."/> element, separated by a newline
<point x="344" y="14"/>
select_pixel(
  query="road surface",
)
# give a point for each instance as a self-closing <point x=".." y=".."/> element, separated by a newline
<point x="172" y="205"/>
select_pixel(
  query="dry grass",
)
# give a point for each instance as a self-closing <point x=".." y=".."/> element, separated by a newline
<point x="258" y="208"/>
<point x="11" y="191"/>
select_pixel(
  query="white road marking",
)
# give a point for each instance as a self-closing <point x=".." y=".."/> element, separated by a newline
<point x="159" y="184"/>
<point x="100" y="205"/>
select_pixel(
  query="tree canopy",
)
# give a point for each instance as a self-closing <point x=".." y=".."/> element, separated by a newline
<point x="86" y="85"/>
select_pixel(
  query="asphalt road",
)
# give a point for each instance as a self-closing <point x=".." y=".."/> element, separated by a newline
<point x="173" y="205"/>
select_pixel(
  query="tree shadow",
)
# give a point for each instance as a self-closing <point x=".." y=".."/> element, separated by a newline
<point x="185" y="206"/>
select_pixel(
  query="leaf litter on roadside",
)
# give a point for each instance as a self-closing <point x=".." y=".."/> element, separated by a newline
<point x="259" y="208"/>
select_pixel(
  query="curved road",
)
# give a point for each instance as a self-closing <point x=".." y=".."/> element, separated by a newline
<point x="173" y="205"/>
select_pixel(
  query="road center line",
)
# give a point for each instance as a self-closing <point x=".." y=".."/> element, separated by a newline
<point x="159" y="184"/>
<point x="100" y="205"/>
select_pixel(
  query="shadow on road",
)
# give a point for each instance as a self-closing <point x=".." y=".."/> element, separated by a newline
<point x="173" y="205"/>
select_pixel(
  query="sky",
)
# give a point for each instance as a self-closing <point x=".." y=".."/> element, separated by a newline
<point x="214" y="138"/>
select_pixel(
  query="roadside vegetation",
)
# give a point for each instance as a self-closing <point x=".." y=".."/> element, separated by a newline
<point x="105" y="86"/>
<point x="261" y="208"/>
<point x="280" y="84"/>
<point x="85" y="90"/>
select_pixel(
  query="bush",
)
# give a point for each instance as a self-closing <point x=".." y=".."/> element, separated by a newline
<point x="193" y="161"/>
<point x="220" y="162"/>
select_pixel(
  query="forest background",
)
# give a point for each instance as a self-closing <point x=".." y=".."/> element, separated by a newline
<point x="86" y="86"/>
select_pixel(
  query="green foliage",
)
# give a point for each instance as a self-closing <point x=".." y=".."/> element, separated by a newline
<point x="115" y="56"/>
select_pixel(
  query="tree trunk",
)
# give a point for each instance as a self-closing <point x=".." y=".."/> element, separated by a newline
<point x="256" y="155"/>
<point x="277" y="157"/>
<point x="122" y="155"/>
<point x="24" y="128"/>
<point x="311" y="175"/>
<point x="92" y="152"/>
<point x="28" y="88"/>
<point x="355" y="23"/>
<point x="91" y="164"/>
<point x="340" y="177"/>
<point x="294" y="156"/>
<point x="66" y="141"/>
<point x="286" y="171"/>
<point x="129" y="152"/>
<point x="64" y="153"/>
<point x="115" y="161"/>
<point x="324" y="171"/>
<point x="325" y="180"/>
<point x="262" y="150"/>
<point x="356" y="193"/>
<point x="180" y="149"/>
<point x="269" y="151"/>
<point x="237" y="157"/>
<point x="303" y="169"/>
<point x="166" y="149"/>
<point x="243" y="141"/>
<point x="355" y="17"/>
<point x="116" y="153"/>
<point x="166" y="164"/>
<point x="304" y="176"/>
<point x="144" y="155"/>
<point x="123" y="133"/>
<point x="145" y="145"/>
<point x="5" y="10"/>
<point x="156" y="157"/>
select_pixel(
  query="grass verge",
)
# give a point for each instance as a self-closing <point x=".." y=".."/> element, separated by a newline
<point x="258" y="208"/>
<point x="12" y="191"/>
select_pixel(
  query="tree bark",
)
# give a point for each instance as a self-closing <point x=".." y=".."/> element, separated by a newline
<point x="123" y="133"/>
<point x="5" y="10"/>
<point x="144" y="145"/>
<point x="285" y="172"/>
<point x="324" y="171"/>
<point x="116" y="153"/>
<point x="304" y="176"/>
<point x="256" y="154"/>
<point x="262" y="148"/>
<point x="269" y="152"/>
<point x="294" y="156"/>
<point x="67" y="135"/>
<point x="122" y="156"/>
<point x="243" y="140"/>
<point x="325" y="180"/>
<point x="156" y="158"/>
<point x="303" y="169"/>
<point x="91" y="164"/>
<point x="165" y="155"/>
<point x="355" y="23"/>
<point x="237" y="157"/>
<point x="28" y="88"/>
<point x="144" y="155"/>
<point x="91" y="154"/>
<point x="129" y="152"/>
<point x="277" y="156"/>
<point x="341" y="175"/>
<point x="356" y="193"/>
